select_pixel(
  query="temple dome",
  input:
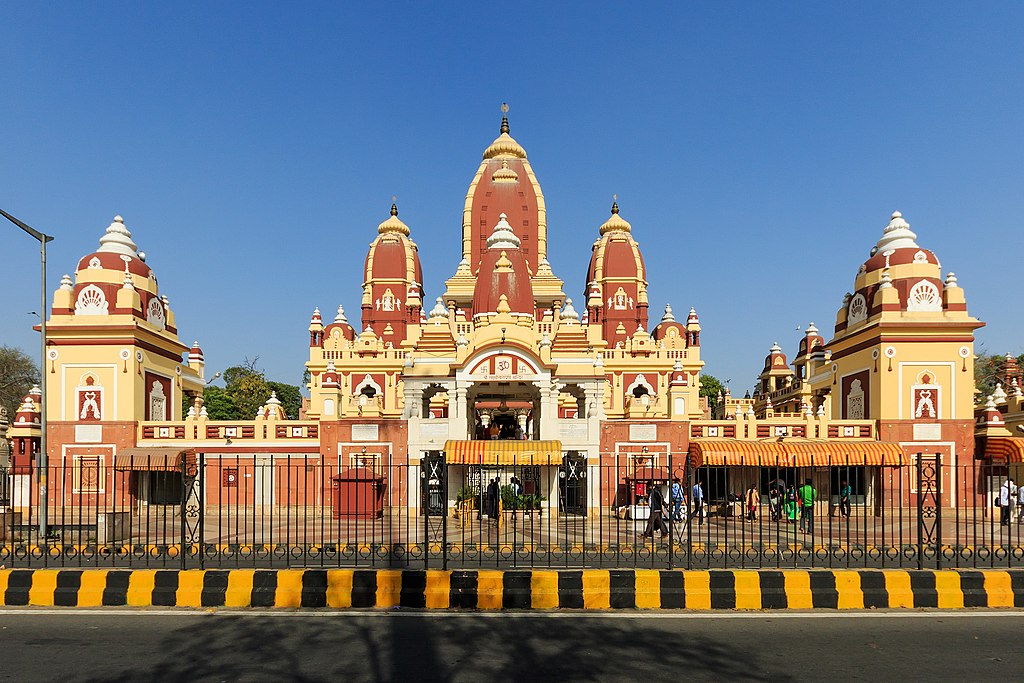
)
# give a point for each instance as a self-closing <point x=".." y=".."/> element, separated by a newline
<point x="117" y="251"/>
<point x="616" y="253"/>
<point x="393" y="223"/>
<point x="504" y="146"/>
<point x="393" y="255"/>
<point x="897" y="262"/>
<point x="615" y="222"/>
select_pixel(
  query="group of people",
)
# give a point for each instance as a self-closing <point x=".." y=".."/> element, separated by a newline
<point x="794" y="503"/>
<point x="492" y="496"/>
<point x="1010" y="496"/>
<point x="495" y="431"/>
<point x="789" y="501"/>
<point x="676" y="505"/>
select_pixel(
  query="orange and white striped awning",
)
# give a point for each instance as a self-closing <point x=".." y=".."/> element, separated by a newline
<point x="795" y="453"/>
<point x="503" y="452"/>
<point x="1005" y="449"/>
<point x="155" y="459"/>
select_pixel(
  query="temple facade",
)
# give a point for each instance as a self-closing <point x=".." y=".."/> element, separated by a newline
<point x="508" y="367"/>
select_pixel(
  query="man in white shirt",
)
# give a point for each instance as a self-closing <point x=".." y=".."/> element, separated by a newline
<point x="697" y="500"/>
<point x="1007" y="501"/>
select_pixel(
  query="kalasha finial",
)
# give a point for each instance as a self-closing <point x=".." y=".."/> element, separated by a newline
<point x="615" y="203"/>
<point x="504" y="117"/>
<point x="394" y="205"/>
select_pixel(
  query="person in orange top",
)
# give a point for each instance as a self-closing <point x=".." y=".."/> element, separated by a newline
<point x="753" y="500"/>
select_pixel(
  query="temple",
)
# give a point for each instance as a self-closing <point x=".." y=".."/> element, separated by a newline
<point x="509" y="367"/>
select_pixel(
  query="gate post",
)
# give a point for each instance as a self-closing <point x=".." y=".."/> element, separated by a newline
<point x="433" y="497"/>
<point x="929" y="508"/>
<point x="193" y="509"/>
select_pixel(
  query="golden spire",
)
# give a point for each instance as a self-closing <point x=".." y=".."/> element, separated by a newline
<point x="393" y="224"/>
<point x="504" y="147"/>
<point x="615" y="223"/>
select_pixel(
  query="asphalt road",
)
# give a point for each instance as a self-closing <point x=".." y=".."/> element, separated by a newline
<point x="159" y="645"/>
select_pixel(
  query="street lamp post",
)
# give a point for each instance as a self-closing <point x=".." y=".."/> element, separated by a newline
<point x="42" y="465"/>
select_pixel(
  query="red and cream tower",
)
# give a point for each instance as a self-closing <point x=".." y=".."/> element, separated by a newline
<point x="903" y="351"/>
<point x="114" y="361"/>
<point x="393" y="277"/>
<point x="503" y="349"/>
<point x="616" y="291"/>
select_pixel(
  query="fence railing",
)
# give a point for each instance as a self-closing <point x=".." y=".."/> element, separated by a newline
<point x="220" y="512"/>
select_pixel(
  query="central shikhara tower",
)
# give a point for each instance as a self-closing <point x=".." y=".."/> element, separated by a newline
<point x="503" y="347"/>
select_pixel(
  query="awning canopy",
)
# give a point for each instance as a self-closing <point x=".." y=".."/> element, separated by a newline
<point x="503" y="452"/>
<point x="1004" y="449"/>
<point x="791" y="452"/>
<point x="154" y="459"/>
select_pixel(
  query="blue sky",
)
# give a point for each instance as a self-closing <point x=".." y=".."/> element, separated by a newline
<point x="757" y="149"/>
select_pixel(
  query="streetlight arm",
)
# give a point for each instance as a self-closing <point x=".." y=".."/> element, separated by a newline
<point x="32" y="231"/>
<point x="42" y="466"/>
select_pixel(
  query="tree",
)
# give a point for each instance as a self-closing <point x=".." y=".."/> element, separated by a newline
<point x="989" y="368"/>
<point x="246" y="390"/>
<point x="219" y="404"/>
<point x="290" y="398"/>
<point x="247" y="387"/>
<point x="710" y="387"/>
<point x="18" y="372"/>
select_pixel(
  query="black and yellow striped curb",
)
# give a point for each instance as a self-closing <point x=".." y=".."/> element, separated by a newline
<point x="515" y="589"/>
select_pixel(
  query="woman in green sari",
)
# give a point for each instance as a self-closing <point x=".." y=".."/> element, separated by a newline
<point x="789" y="506"/>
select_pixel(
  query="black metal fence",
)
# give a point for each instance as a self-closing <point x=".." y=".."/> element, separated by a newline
<point x="291" y="512"/>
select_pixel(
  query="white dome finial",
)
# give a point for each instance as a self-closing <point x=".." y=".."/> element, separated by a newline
<point x="438" y="311"/>
<point x="340" y="316"/>
<point x="668" y="317"/>
<point x="897" y="234"/>
<point x="569" y="313"/>
<point x="118" y="240"/>
<point x="502" y="237"/>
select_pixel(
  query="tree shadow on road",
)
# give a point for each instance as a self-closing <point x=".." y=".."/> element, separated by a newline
<point x="428" y="647"/>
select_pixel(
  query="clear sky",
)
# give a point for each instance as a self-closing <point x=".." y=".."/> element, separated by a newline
<point x="757" y="149"/>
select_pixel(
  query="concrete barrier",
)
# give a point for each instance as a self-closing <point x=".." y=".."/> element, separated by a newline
<point x="542" y="589"/>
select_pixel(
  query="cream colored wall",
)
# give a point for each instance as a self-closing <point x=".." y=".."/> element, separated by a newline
<point x="122" y="381"/>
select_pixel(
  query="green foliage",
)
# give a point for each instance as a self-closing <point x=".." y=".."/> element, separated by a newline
<point x="466" y="493"/>
<point x="219" y="404"/>
<point x="249" y="392"/>
<point x="290" y="398"/>
<point x="988" y="369"/>
<point x="530" y="501"/>
<point x="18" y="372"/>
<point x="710" y="387"/>
<point x="246" y="390"/>
<point x="527" y="501"/>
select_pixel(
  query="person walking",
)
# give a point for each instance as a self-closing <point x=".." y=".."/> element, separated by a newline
<point x="753" y="501"/>
<point x="1020" y="505"/>
<point x="1007" y="500"/>
<point x="494" y="499"/>
<point x="806" y="496"/>
<point x="844" y="499"/>
<point x="656" y="507"/>
<point x="697" y="500"/>
<point x="789" y="505"/>
<point x="775" y="503"/>
<point x="676" y="494"/>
